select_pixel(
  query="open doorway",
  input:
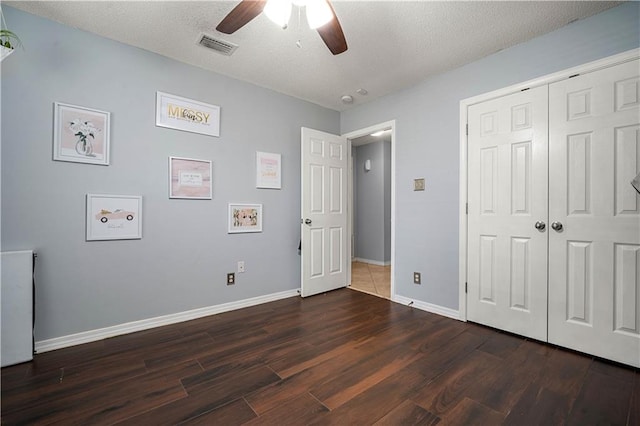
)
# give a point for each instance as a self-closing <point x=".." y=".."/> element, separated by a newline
<point x="370" y="199"/>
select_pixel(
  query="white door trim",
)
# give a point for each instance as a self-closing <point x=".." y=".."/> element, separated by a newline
<point x="464" y="104"/>
<point x="356" y="134"/>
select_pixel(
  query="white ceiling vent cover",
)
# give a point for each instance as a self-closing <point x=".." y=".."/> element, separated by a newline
<point x="220" y="46"/>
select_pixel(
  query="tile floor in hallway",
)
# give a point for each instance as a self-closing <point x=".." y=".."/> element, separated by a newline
<point x="372" y="279"/>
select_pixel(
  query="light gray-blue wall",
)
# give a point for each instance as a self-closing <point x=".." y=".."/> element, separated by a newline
<point x="427" y="140"/>
<point x="181" y="261"/>
<point x="185" y="252"/>
<point x="372" y="202"/>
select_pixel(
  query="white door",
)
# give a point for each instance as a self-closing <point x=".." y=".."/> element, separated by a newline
<point x="507" y="187"/>
<point x="324" y="212"/>
<point x="594" y="259"/>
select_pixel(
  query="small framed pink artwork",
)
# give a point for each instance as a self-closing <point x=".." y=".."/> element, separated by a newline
<point x="114" y="217"/>
<point x="190" y="178"/>
<point x="81" y="135"/>
<point x="245" y="218"/>
<point x="268" y="170"/>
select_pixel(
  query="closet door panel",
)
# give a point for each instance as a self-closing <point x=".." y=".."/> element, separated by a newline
<point x="507" y="275"/>
<point x="594" y="258"/>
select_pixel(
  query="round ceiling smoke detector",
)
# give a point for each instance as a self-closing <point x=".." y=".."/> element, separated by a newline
<point x="347" y="99"/>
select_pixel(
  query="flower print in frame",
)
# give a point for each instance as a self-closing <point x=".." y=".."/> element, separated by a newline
<point x="245" y="218"/>
<point x="81" y="135"/>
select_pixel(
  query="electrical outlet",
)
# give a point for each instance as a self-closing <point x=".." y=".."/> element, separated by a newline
<point x="231" y="278"/>
<point x="417" y="278"/>
<point x="241" y="266"/>
<point x="418" y="184"/>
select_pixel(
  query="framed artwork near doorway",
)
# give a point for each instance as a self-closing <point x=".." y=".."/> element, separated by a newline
<point x="245" y="218"/>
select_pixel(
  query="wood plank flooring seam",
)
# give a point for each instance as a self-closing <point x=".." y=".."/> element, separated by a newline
<point x="244" y="398"/>
<point x="320" y="402"/>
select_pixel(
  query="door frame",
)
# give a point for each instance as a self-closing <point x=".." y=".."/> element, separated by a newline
<point x="356" y="134"/>
<point x="465" y="104"/>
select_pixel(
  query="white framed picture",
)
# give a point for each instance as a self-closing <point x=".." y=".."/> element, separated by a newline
<point x="190" y="178"/>
<point x="176" y="112"/>
<point x="245" y="218"/>
<point x="114" y="217"/>
<point x="80" y="135"/>
<point x="268" y="170"/>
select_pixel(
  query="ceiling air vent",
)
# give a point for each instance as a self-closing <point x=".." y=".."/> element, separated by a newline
<point x="220" y="46"/>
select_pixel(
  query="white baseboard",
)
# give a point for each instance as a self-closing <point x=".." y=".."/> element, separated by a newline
<point x="372" y="262"/>
<point x="424" y="306"/>
<point x="130" y="327"/>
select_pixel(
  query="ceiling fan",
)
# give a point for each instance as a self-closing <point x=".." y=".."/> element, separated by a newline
<point x="320" y="16"/>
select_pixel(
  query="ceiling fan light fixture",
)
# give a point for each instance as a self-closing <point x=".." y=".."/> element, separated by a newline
<point x="278" y="11"/>
<point x="318" y="13"/>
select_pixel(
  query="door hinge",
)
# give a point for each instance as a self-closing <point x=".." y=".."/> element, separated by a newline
<point x="466" y="209"/>
<point x="467" y="129"/>
<point x="465" y="288"/>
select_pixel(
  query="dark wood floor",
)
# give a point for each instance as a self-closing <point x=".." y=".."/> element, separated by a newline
<point x="340" y="358"/>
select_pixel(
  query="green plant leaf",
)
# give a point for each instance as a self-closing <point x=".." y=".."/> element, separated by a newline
<point x="6" y="36"/>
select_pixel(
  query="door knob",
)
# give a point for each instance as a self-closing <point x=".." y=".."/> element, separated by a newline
<point x="307" y="221"/>
<point x="540" y="225"/>
<point x="557" y="226"/>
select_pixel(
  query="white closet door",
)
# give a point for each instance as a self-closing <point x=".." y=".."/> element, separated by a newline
<point x="594" y="260"/>
<point x="507" y="266"/>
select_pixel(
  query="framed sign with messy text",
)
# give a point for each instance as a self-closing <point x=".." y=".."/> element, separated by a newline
<point x="175" y="112"/>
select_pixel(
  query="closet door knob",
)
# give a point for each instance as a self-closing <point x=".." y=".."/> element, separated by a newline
<point x="540" y="225"/>
<point x="557" y="226"/>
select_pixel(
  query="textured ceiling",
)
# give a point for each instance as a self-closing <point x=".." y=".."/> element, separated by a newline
<point x="392" y="44"/>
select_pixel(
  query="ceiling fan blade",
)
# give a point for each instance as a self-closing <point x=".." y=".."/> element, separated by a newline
<point x="332" y="35"/>
<point x="241" y="15"/>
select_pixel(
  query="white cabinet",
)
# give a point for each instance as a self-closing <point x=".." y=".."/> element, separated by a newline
<point x="17" y="307"/>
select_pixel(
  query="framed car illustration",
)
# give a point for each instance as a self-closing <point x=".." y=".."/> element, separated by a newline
<point x="114" y="217"/>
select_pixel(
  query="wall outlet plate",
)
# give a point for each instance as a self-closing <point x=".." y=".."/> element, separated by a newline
<point x="231" y="278"/>
<point x="241" y="266"/>
<point x="417" y="278"/>
<point x="418" y="184"/>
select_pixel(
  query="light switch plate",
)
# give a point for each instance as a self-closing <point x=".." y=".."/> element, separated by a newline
<point x="418" y="184"/>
